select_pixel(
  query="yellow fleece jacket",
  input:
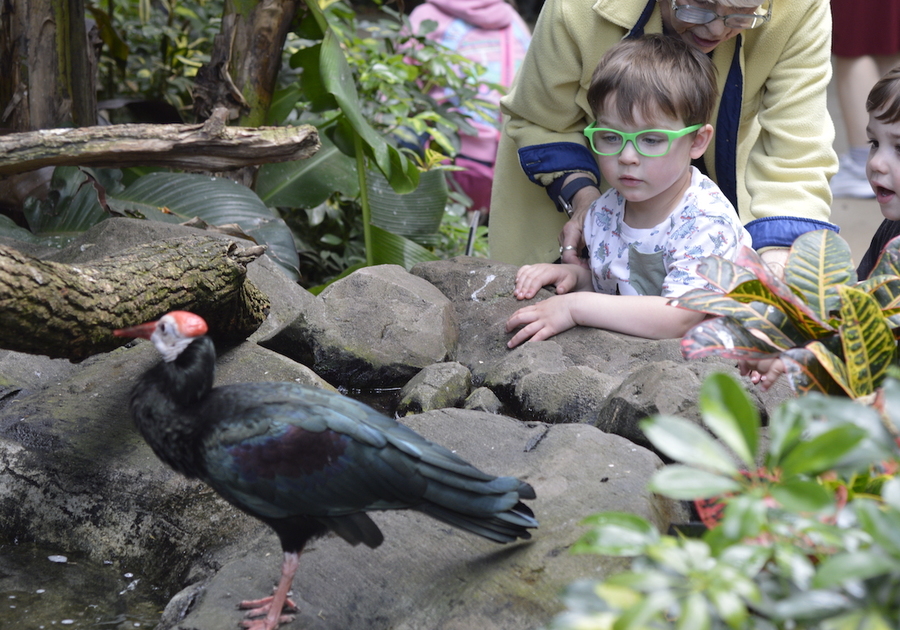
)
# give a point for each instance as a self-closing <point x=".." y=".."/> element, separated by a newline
<point x="784" y="132"/>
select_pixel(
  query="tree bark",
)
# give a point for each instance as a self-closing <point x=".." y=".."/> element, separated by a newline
<point x="47" y="73"/>
<point x="243" y="68"/>
<point x="66" y="311"/>
<point x="211" y="146"/>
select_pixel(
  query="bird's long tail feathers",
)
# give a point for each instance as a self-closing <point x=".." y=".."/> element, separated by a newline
<point x="491" y="509"/>
<point x="503" y="527"/>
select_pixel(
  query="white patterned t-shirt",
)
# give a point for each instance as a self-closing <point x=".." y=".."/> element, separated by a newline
<point x="661" y="260"/>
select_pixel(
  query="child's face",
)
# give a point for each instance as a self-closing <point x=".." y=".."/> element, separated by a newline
<point x="649" y="182"/>
<point x="883" y="165"/>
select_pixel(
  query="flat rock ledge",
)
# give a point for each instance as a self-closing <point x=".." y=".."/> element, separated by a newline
<point x="562" y="414"/>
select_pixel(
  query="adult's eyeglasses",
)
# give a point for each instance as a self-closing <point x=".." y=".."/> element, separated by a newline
<point x="695" y="15"/>
<point x="649" y="143"/>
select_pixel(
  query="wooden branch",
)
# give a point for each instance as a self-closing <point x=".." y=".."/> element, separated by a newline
<point x="68" y="311"/>
<point x="211" y="146"/>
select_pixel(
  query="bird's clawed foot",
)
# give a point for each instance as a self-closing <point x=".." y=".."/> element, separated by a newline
<point x="262" y="608"/>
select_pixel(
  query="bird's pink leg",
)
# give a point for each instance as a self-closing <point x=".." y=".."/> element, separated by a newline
<point x="272" y="606"/>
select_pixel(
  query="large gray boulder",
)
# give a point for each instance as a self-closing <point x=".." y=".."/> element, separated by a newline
<point x="373" y="329"/>
<point x="74" y="473"/>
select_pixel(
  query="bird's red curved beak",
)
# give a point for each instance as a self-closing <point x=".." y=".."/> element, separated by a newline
<point x="141" y="330"/>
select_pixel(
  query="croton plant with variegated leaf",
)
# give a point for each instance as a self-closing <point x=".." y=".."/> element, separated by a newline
<point x="836" y="335"/>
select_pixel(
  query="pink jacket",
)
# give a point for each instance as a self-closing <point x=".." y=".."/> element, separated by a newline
<point x="490" y="32"/>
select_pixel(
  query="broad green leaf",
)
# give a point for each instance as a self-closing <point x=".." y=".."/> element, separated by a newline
<point x="800" y="496"/>
<point x="336" y="77"/>
<point x="727" y="338"/>
<point x="722" y="273"/>
<point x="687" y="443"/>
<point x="889" y="261"/>
<point x="885" y="290"/>
<point x="178" y="197"/>
<point x="9" y="229"/>
<point x="616" y="534"/>
<point x="821" y="453"/>
<point x="391" y="249"/>
<point x="868" y="343"/>
<point x="786" y="424"/>
<point x="730" y="607"/>
<point x="883" y="524"/>
<point x="890" y="493"/>
<point x="728" y="411"/>
<point x="73" y="204"/>
<point x="686" y="484"/>
<point x="813" y="369"/>
<point x="891" y="391"/>
<point x="858" y="565"/>
<point x="809" y="605"/>
<point x="818" y="262"/>
<point x="744" y="517"/>
<point x="695" y="614"/>
<point x="308" y="183"/>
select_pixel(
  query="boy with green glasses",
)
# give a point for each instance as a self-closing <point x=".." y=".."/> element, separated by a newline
<point x="652" y="98"/>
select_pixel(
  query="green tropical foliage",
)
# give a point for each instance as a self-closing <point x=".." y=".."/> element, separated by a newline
<point x="835" y="335"/>
<point x="153" y="52"/>
<point x="791" y="551"/>
<point x="80" y="198"/>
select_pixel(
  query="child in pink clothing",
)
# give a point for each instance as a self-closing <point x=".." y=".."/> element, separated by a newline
<point x="491" y="33"/>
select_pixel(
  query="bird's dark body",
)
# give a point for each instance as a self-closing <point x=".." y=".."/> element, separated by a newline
<point x="306" y="461"/>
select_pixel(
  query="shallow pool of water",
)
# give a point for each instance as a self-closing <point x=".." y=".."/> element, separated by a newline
<point x="43" y="589"/>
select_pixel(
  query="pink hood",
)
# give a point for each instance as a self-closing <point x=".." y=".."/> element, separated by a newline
<point x="486" y="14"/>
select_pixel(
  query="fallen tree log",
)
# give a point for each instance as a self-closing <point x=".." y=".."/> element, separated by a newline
<point x="209" y="147"/>
<point x="69" y="311"/>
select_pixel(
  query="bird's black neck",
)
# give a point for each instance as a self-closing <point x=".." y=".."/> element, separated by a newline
<point x="163" y="405"/>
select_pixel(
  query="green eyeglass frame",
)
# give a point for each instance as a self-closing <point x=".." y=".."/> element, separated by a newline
<point x="669" y="134"/>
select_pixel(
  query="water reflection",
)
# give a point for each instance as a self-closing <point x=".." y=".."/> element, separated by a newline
<point x="44" y="589"/>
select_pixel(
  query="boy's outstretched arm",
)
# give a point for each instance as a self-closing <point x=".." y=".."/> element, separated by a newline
<point x="648" y="316"/>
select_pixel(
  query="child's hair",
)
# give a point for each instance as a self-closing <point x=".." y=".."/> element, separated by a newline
<point x="885" y="97"/>
<point x="655" y="74"/>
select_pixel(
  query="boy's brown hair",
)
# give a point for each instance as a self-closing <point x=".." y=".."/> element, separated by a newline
<point x="885" y="97"/>
<point x="655" y="74"/>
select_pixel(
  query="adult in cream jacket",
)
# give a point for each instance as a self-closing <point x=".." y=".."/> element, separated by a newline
<point x="772" y="153"/>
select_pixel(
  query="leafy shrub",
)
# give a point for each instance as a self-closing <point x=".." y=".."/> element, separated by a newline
<point x="790" y="551"/>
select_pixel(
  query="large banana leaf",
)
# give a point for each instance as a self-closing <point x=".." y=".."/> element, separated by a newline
<point x="308" y="183"/>
<point x="868" y="343"/>
<point x="72" y="205"/>
<point x="335" y="73"/>
<point x="819" y="262"/>
<point x="178" y="197"/>
<point x="389" y="248"/>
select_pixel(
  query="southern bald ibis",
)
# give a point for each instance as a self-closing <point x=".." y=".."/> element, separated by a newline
<point x="305" y="461"/>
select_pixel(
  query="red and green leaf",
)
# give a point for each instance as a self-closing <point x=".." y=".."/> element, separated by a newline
<point x="889" y="261"/>
<point x="727" y="338"/>
<point x="868" y="342"/>
<point x="722" y="273"/>
<point x="769" y="323"/>
<point x="807" y="371"/>
<point x="819" y="262"/>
